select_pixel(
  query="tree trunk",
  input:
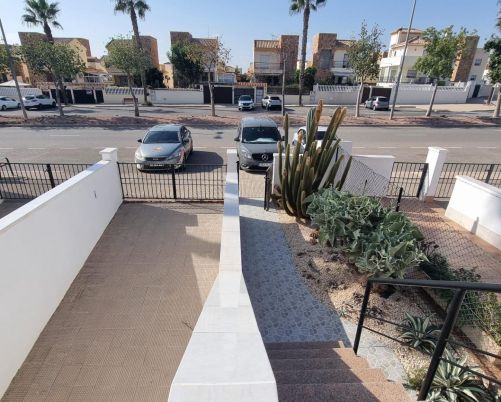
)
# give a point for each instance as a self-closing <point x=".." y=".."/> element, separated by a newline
<point x="430" y="107"/>
<point x="211" y="91"/>
<point x="135" y="28"/>
<point x="136" y="107"/>
<point x="359" y="97"/>
<point x="283" y="89"/>
<point x="58" y="96"/>
<point x="498" y="105"/>
<point x="306" y="21"/>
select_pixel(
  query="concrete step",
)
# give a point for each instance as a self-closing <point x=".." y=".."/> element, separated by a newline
<point x="354" y="362"/>
<point x="304" y="345"/>
<point x="366" y="392"/>
<point x="329" y="376"/>
<point x="310" y="353"/>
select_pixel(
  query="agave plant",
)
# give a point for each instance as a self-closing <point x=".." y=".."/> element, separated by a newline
<point x="419" y="333"/>
<point x="302" y="176"/>
<point x="453" y="383"/>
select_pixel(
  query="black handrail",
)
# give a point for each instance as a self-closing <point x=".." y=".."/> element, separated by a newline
<point x="452" y="314"/>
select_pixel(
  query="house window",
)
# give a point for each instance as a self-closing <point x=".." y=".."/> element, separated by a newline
<point x="478" y="62"/>
<point x="473" y="77"/>
<point x="411" y="74"/>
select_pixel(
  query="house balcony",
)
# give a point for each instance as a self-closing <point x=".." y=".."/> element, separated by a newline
<point x="268" y="68"/>
<point x="341" y="68"/>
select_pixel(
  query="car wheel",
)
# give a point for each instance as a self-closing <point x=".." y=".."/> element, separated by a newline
<point x="4" y="108"/>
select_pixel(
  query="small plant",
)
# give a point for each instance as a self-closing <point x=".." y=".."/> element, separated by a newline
<point x="419" y="333"/>
<point x="453" y="383"/>
<point x="416" y="379"/>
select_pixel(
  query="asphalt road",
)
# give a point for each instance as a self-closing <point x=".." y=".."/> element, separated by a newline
<point x="224" y="110"/>
<point x="19" y="144"/>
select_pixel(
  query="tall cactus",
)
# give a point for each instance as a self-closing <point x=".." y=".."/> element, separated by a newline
<point x="304" y="175"/>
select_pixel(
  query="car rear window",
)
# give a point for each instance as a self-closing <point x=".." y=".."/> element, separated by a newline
<point x="382" y="99"/>
<point x="260" y="135"/>
<point x="30" y="97"/>
<point x="161" y="137"/>
<point x="275" y="98"/>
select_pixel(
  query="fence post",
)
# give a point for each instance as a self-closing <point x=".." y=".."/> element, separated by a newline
<point x="51" y="177"/>
<point x="424" y="175"/>
<point x="399" y="199"/>
<point x="450" y="320"/>
<point x="489" y="173"/>
<point x="435" y="159"/>
<point x="362" y="316"/>
<point x="173" y="175"/>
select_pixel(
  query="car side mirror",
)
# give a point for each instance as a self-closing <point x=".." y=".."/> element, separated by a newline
<point x="237" y="139"/>
<point x="139" y="140"/>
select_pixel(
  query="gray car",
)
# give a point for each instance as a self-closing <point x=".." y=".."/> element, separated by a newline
<point x="377" y="103"/>
<point x="164" y="146"/>
<point x="257" y="142"/>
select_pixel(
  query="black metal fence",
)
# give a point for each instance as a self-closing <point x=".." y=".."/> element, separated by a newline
<point x="24" y="181"/>
<point x="442" y="340"/>
<point x="489" y="173"/>
<point x="407" y="175"/>
<point x="268" y="188"/>
<point x="188" y="183"/>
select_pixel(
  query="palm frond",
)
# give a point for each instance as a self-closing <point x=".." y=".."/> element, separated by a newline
<point x="57" y="25"/>
<point x="121" y="6"/>
<point x="141" y="8"/>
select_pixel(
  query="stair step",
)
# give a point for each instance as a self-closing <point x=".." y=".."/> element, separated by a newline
<point x="366" y="392"/>
<point x="310" y="353"/>
<point x="304" y="345"/>
<point x="329" y="376"/>
<point x="319" y="363"/>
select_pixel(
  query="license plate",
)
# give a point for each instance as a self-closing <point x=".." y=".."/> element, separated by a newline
<point x="264" y="164"/>
<point x="156" y="164"/>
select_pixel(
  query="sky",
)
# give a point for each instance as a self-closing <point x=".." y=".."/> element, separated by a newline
<point x="239" y="22"/>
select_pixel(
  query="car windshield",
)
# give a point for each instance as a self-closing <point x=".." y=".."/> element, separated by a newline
<point x="245" y="98"/>
<point x="30" y="97"/>
<point x="275" y="98"/>
<point x="260" y="135"/>
<point x="382" y="99"/>
<point x="161" y="137"/>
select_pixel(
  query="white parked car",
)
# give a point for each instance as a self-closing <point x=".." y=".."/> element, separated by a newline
<point x="319" y="137"/>
<point x="38" y="102"/>
<point x="245" y="102"/>
<point x="8" y="103"/>
<point x="269" y="102"/>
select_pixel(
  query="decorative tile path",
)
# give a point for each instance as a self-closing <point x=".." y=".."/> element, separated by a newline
<point x="285" y="309"/>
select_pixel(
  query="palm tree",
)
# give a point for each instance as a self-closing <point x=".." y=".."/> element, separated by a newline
<point x="135" y="8"/>
<point x="305" y="7"/>
<point x="42" y="13"/>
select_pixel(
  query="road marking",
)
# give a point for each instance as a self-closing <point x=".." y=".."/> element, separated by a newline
<point x="36" y="148"/>
<point x="387" y="147"/>
<point x="486" y="147"/>
<point x="418" y="147"/>
<point x="130" y="147"/>
<point x="67" y="148"/>
<point x="6" y="149"/>
<point x="64" y="135"/>
<point x="358" y="147"/>
<point x="454" y="147"/>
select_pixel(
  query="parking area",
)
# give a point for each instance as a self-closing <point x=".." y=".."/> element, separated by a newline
<point x="123" y="325"/>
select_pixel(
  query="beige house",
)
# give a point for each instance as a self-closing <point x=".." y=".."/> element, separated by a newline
<point x="270" y="56"/>
<point x="330" y="58"/>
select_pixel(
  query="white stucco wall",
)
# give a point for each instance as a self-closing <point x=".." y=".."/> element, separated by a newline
<point x="417" y="94"/>
<point x="477" y="207"/>
<point x="176" y="97"/>
<point x="225" y="360"/>
<point x="43" y="246"/>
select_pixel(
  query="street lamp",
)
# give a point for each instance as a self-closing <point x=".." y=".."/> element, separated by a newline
<point x="399" y="76"/>
<point x="13" y="71"/>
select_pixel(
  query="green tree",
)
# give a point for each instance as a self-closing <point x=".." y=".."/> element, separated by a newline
<point x="210" y="54"/>
<point x="54" y="60"/>
<point x="135" y="8"/>
<point x="493" y="46"/>
<point x="305" y="7"/>
<point x="442" y="49"/>
<point x="42" y="13"/>
<point x="4" y="60"/>
<point x="309" y="77"/>
<point x="187" y="72"/>
<point x="363" y="57"/>
<point x="124" y="55"/>
<point x="154" y="78"/>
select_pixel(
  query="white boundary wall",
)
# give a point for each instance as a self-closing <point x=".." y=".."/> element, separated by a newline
<point x="335" y="94"/>
<point x="476" y="206"/>
<point x="225" y="360"/>
<point x="417" y="94"/>
<point x="43" y="246"/>
<point x="177" y="96"/>
<point x="11" y="92"/>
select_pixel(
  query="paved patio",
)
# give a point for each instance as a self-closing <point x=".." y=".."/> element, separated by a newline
<point x="122" y="327"/>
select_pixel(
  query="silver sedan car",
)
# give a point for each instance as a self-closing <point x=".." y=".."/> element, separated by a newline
<point x="164" y="146"/>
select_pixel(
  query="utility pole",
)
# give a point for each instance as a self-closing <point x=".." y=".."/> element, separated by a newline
<point x="283" y="84"/>
<point x="399" y="76"/>
<point x="13" y="71"/>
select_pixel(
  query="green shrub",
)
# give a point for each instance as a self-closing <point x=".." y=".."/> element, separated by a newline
<point x="419" y="333"/>
<point x="416" y="378"/>
<point x="378" y="241"/>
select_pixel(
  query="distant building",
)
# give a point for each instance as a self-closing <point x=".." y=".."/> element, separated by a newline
<point x="330" y="58"/>
<point x="186" y="37"/>
<point x="21" y="68"/>
<point x="271" y="55"/>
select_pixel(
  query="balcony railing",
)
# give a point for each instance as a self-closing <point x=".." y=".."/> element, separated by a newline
<point x="268" y="68"/>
